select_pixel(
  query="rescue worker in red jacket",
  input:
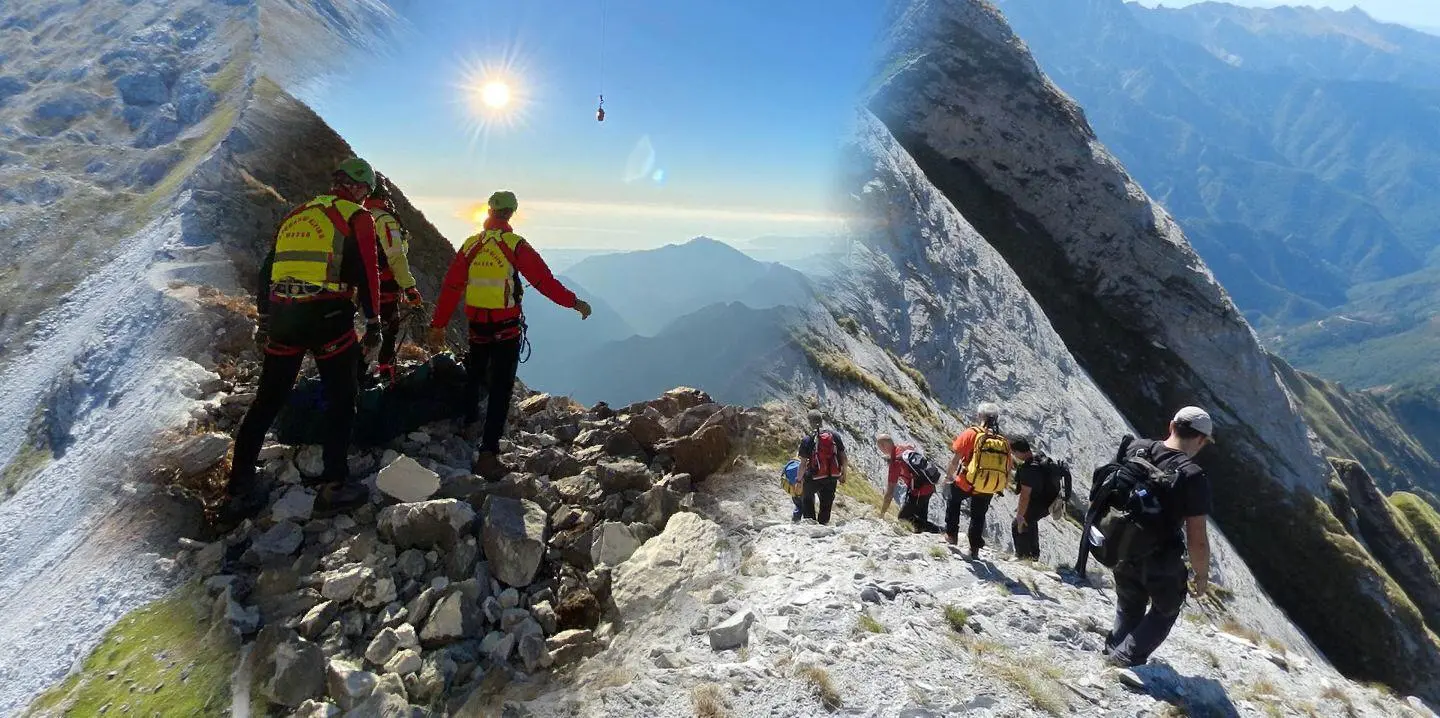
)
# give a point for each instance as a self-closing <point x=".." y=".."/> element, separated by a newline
<point x="916" y="509"/>
<point x="321" y="265"/>
<point x="397" y="284"/>
<point x="486" y="273"/>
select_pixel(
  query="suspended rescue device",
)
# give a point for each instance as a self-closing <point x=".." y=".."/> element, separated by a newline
<point x="600" y="111"/>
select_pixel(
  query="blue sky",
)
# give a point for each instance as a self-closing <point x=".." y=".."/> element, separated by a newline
<point x="1424" y="13"/>
<point x="723" y="116"/>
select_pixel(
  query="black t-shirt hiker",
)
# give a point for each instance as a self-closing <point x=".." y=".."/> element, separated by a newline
<point x="1041" y="481"/>
<point x="1157" y="581"/>
<point x="820" y="481"/>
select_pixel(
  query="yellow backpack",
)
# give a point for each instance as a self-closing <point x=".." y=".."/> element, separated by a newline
<point x="989" y="469"/>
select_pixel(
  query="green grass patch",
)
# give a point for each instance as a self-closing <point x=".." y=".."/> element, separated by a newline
<point x="858" y="488"/>
<point x="1421" y="517"/>
<point x="911" y="372"/>
<point x="957" y="617"/>
<point x="849" y="324"/>
<point x="838" y="367"/>
<point x="33" y="456"/>
<point x="868" y="624"/>
<point x="162" y="659"/>
<point x="229" y="76"/>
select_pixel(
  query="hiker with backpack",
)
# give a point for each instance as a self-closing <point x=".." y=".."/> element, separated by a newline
<point x="1147" y="508"/>
<point x="1042" y="481"/>
<point x="978" y="471"/>
<point x="485" y="275"/>
<point x="910" y="467"/>
<point x="793" y="482"/>
<point x="823" y="455"/>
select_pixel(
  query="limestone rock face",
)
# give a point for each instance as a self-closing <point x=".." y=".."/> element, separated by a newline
<point x="664" y="564"/>
<point x="514" y="538"/>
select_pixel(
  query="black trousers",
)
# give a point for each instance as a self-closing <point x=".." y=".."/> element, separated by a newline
<point x="339" y="375"/>
<point x="979" y="506"/>
<point x="823" y="492"/>
<point x="491" y="366"/>
<point x="1148" y="596"/>
<point x="1027" y="542"/>
<point x="917" y="511"/>
<point x="389" y="331"/>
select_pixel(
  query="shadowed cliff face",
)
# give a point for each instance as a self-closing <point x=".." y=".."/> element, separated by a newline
<point x="1139" y="311"/>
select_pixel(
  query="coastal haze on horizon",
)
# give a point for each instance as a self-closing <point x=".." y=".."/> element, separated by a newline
<point x="1421" y="14"/>
<point x="722" y="119"/>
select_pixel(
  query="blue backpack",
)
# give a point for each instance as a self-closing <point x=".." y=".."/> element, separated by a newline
<point x="790" y="478"/>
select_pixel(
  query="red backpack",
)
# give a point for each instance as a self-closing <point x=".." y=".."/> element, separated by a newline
<point x="825" y="458"/>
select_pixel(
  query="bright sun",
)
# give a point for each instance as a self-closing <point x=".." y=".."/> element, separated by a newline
<point x="495" y="95"/>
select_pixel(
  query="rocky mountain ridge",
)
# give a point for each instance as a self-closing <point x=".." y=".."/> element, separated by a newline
<point x="1138" y="310"/>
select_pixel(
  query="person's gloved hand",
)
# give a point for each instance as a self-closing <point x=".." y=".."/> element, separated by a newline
<point x="412" y="297"/>
<point x="583" y="307"/>
<point x="371" y="342"/>
<point x="262" y="332"/>
<point x="435" y="338"/>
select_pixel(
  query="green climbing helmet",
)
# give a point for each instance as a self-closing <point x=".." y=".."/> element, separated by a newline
<point x="359" y="171"/>
<point x="504" y="199"/>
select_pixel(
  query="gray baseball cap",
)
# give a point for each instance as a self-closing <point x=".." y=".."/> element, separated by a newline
<point x="1197" y="419"/>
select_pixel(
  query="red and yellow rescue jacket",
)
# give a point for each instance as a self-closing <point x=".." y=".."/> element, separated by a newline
<point x="310" y="251"/>
<point x="487" y="271"/>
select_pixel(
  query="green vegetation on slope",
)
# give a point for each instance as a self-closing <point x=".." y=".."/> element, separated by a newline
<point x="1422" y="520"/>
<point x="1361" y="428"/>
<point x="162" y="659"/>
<point x="31" y="458"/>
<point x="1321" y="568"/>
<point x="838" y="367"/>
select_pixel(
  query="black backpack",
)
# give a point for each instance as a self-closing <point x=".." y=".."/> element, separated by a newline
<point x="1126" y="520"/>
<point x="1057" y="481"/>
<point x="922" y="468"/>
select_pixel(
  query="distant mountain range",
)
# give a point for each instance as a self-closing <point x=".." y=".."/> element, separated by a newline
<point x="697" y="313"/>
<point x="1298" y="148"/>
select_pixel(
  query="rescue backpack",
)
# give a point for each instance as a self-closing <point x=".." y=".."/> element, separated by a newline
<point x="1126" y="520"/>
<point x="790" y="479"/>
<point x="989" y="469"/>
<point x="923" y="471"/>
<point x="825" y="455"/>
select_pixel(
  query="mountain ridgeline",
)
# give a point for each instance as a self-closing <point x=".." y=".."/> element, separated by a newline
<point x="701" y="309"/>
<point x="1297" y="147"/>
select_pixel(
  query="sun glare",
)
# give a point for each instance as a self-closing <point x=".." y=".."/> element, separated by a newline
<point x="495" y="94"/>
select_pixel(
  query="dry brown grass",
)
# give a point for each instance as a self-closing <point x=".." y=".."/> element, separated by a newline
<point x="1235" y="628"/>
<point x="709" y="701"/>
<point x="1334" y="692"/>
<point x="821" y="686"/>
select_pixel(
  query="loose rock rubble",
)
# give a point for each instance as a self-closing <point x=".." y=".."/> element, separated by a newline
<point x="447" y="585"/>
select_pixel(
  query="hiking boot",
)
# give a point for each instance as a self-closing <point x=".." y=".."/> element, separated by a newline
<point x="974" y="554"/>
<point x="489" y="466"/>
<point x="951" y="539"/>
<point x="1119" y="661"/>
<point x="245" y="506"/>
<point x="338" y="497"/>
